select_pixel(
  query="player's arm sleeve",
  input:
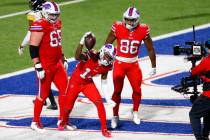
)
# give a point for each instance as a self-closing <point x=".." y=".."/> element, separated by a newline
<point x="147" y="31"/>
<point x="34" y="51"/>
<point x="200" y="68"/>
<point x="36" y="27"/>
<point x="26" y="39"/>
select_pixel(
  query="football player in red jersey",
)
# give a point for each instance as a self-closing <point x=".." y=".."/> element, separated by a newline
<point x="32" y="16"/>
<point x="91" y="64"/>
<point x="47" y="56"/>
<point x="129" y="34"/>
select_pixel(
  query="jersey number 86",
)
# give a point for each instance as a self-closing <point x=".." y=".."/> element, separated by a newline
<point x="130" y="47"/>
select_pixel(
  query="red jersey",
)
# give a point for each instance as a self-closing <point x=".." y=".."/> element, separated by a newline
<point x="128" y="42"/>
<point x="201" y="69"/>
<point x="85" y="70"/>
<point x="50" y="50"/>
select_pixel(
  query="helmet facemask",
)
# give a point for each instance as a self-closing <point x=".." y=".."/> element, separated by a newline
<point x="106" y="59"/>
<point x="52" y="18"/>
<point x="131" y="23"/>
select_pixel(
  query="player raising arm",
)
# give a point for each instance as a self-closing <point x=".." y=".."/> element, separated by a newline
<point x="91" y="63"/>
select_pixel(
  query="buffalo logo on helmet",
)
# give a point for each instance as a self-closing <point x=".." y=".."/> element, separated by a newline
<point x="47" y="6"/>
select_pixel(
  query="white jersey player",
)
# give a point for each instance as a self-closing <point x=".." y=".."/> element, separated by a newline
<point x="34" y="15"/>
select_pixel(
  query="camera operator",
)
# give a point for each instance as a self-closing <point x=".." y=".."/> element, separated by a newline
<point x="201" y="106"/>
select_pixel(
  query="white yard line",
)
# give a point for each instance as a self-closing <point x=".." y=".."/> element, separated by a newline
<point x="181" y="32"/>
<point x="24" y="12"/>
<point x="14" y="14"/>
<point x="24" y="71"/>
<point x="154" y="39"/>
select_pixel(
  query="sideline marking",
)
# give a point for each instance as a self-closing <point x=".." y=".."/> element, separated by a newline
<point x="99" y="131"/>
<point x="24" y="12"/>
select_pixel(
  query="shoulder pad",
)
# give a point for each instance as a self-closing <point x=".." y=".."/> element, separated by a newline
<point x="118" y="22"/>
<point x="30" y="16"/>
<point x="143" y="25"/>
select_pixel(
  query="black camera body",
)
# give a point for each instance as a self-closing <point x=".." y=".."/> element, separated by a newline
<point x="194" y="53"/>
<point x="186" y="83"/>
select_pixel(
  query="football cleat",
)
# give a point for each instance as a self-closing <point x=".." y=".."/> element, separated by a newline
<point x="37" y="126"/>
<point x="45" y="102"/>
<point x="63" y="126"/>
<point x="53" y="107"/>
<point x="136" y="118"/>
<point x="106" y="133"/>
<point x="71" y="127"/>
<point x="114" y="122"/>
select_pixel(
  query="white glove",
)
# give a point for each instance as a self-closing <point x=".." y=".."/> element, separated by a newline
<point x="104" y="87"/>
<point x="82" y="40"/>
<point x="39" y="70"/>
<point x="20" y="50"/>
<point x="152" y="72"/>
<point x="24" y="43"/>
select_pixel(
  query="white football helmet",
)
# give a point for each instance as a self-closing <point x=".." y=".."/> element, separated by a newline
<point x="107" y="54"/>
<point x="51" y="11"/>
<point x="131" y="18"/>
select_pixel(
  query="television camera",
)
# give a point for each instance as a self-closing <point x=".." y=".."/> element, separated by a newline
<point x="194" y="53"/>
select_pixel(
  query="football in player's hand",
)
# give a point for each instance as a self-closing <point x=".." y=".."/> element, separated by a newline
<point x="90" y="41"/>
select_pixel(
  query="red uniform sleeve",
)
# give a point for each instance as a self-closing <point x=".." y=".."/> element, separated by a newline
<point x="106" y="69"/>
<point x="200" y="68"/>
<point x="37" y="26"/>
<point x="145" y="30"/>
<point x="115" y="25"/>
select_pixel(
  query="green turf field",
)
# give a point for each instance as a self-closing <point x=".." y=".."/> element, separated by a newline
<point x="163" y="16"/>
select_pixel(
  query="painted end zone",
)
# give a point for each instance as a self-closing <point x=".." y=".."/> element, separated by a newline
<point x="169" y="74"/>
